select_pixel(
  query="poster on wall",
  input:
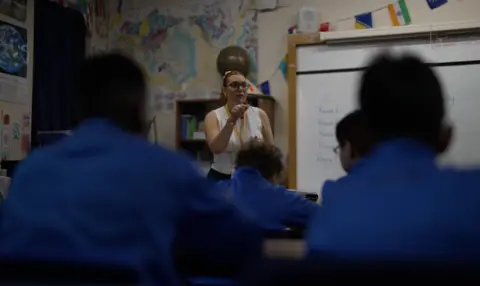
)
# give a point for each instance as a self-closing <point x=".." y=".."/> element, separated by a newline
<point x="16" y="9"/>
<point x="13" y="50"/>
<point x="13" y="64"/>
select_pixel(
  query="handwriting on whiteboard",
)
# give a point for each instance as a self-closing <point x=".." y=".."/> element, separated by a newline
<point x="327" y="110"/>
<point x="323" y="122"/>
<point x="325" y="159"/>
<point x="326" y="122"/>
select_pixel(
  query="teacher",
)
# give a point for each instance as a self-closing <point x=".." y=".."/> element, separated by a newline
<point x="229" y="127"/>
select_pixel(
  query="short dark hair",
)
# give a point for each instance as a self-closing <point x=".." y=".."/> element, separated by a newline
<point x="112" y="86"/>
<point x="353" y="128"/>
<point x="266" y="158"/>
<point x="402" y="97"/>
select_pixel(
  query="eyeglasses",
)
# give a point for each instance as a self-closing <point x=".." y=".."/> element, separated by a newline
<point x="238" y="85"/>
<point x="336" y="150"/>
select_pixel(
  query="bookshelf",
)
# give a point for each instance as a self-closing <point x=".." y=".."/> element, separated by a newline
<point x="190" y="113"/>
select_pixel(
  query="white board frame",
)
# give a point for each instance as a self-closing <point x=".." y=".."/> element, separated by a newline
<point x="350" y="37"/>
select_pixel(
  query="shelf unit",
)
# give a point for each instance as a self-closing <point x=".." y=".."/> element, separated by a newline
<point x="190" y="114"/>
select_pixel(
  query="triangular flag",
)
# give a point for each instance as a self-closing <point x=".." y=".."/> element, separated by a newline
<point x="253" y="89"/>
<point x="283" y="66"/>
<point x="434" y="4"/>
<point x="265" y="87"/>
<point x="364" y="21"/>
<point x="292" y="30"/>
<point x="399" y="13"/>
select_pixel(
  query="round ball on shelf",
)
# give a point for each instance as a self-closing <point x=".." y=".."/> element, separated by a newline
<point x="233" y="58"/>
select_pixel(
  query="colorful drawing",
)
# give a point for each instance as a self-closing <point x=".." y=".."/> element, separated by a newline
<point x="16" y="131"/>
<point x="215" y="22"/>
<point x="178" y="47"/>
<point x="13" y="50"/>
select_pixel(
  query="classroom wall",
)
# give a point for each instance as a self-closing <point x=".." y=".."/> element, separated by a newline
<point x="273" y="40"/>
<point x="273" y="28"/>
<point x="19" y="114"/>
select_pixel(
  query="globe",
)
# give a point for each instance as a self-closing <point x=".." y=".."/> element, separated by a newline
<point x="233" y="58"/>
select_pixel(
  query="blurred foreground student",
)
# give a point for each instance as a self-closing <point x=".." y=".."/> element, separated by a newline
<point x="254" y="189"/>
<point x="396" y="203"/>
<point x="104" y="194"/>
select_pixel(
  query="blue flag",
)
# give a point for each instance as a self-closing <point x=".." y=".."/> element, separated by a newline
<point x="433" y="4"/>
<point x="265" y="87"/>
<point x="283" y="66"/>
<point x="364" y="21"/>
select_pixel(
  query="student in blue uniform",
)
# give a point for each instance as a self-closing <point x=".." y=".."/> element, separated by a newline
<point x="354" y="139"/>
<point x="105" y="194"/>
<point x="254" y="189"/>
<point x="396" y="203"/>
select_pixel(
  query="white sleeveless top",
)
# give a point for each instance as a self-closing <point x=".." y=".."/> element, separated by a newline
<point x="225" y="162"/>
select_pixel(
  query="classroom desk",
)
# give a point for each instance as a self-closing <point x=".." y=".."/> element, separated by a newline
<point x="190" y="265"/>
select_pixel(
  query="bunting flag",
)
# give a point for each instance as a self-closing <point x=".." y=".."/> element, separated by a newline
<point x="265" y="87"/>
<point x="364" y="21"/>
<point x="283" y="66"/>
<point x="253" y="89"/>
<point x="399" y="13"/>
<point x="292" y="29"/>
<point x="434" y="4"/>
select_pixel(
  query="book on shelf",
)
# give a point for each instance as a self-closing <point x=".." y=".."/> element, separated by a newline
<point x="191" y="128"/>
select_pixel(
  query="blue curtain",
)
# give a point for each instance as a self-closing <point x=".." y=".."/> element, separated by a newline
<point x="59" y="49"/>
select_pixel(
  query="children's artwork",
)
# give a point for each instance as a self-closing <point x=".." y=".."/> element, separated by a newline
<point x="25" y="143"/>
<point x="16" y="131"/>
<point x="4" y="155"/>
<point x="6" y="134"/>
<point x="13" y="50"/>
<point x="26" y="121"/>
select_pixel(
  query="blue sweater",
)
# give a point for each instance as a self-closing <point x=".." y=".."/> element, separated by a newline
<point x="104" y="195"/>
<point x="397" y="203"/>
<point x="271" y="206"/>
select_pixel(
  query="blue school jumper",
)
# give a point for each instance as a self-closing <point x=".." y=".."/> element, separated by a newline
<point x="271" y="206"/>
<point x="397" y="203"/>
<point x="104" y="195"/>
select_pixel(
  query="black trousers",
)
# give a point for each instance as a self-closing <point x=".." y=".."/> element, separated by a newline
<point x="217" y="176"/>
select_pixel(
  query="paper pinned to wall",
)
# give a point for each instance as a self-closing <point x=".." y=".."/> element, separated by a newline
<point x="6" y="134"/>
<point x="16" y="131"/>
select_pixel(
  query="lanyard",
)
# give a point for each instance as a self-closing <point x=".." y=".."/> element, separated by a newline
<point x="241" y="134"/>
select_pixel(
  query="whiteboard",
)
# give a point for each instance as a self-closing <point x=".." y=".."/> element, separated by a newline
<point x="327" y="81"/>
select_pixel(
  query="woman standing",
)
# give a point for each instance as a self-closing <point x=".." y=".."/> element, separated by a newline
<point x="229" y="127"/>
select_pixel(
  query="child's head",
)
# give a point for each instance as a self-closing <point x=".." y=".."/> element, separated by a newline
<point x="402" y="97"/>
<point x="266" y="158"/>
<point x="354" y="139"/>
